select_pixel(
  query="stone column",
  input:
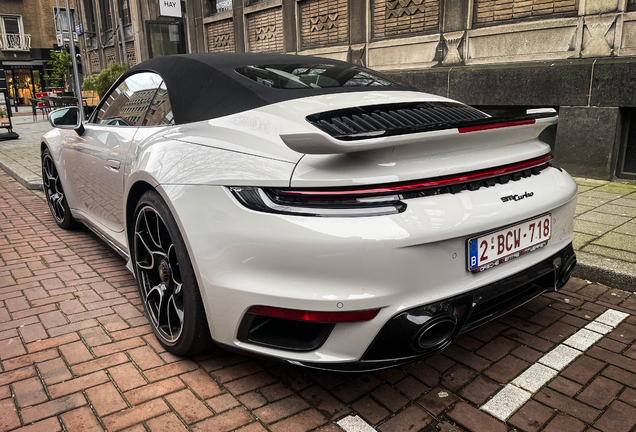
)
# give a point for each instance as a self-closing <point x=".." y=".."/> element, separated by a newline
<point x="239" y="25"/>
<point x="454" y="26"/>
<point x="358" y="30"/>
<point x="290" y="42"/>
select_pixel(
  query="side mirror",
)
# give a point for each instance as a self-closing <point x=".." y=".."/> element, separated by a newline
<point x="67" y="118"/>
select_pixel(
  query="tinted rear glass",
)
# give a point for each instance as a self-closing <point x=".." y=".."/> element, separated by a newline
<point x="302" y="76"/>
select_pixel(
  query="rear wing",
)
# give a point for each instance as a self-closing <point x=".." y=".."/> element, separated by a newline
<point x="330" y="139"/>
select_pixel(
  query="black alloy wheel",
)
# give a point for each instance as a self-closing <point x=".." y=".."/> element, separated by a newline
<point x="166" y="279"/>
<point x="55" y="193"/>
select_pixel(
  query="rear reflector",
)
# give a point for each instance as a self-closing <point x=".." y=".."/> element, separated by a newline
<point x="314" y="316"/>
<point x="425" y="184"/>
<point x="495" y="125"/>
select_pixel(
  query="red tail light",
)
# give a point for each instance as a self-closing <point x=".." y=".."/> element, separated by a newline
<point x="314" y="316"/>
<point x="495" y="125"/>
<point x="432" y="183"/>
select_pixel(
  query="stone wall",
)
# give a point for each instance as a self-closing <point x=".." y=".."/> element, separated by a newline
<point x="578" y="56"/>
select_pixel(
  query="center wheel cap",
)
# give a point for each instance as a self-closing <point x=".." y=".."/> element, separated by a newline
<point x="164" y="272"/>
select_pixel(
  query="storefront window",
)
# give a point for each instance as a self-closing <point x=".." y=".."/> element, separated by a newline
<point x="22" y="86"/>
<point x="37" y="82"/>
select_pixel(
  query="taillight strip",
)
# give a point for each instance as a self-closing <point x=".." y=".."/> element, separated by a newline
<point x="314" y="316"/>
<point x="496" y="125"/>
<point x="442" y="181"/>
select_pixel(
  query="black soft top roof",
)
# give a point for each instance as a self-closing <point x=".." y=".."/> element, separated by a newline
<point x="205" y="86"/>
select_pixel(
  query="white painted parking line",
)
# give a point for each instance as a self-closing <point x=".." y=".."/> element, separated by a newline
<point x="514" y="395"/>
<point x="599" y="328"/>
<point x="535" y="377"/>
<point x="560" y="357"/>
<point x="611" y="317"/>
<point x="354" y="424"/>
<point x="507" y="401"/>
<point x="583" y="339"/>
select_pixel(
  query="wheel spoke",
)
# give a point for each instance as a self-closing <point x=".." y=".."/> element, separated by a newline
<point x="150" y="253"/>
<point x="174" y="266"/>
<point x="175" y="313"/>
<point x="155" y="227"/>
<point x="59" y="205"/>
<point x="154" y="303"/>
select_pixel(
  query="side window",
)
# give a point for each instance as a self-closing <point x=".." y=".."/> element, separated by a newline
<point x="128" y="103"/>
<point x="160" y="111"/>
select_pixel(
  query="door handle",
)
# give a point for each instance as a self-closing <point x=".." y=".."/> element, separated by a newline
<point x="113" y="164"/>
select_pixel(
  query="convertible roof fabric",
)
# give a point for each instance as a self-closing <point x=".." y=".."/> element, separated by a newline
<point x="206" y="86"/>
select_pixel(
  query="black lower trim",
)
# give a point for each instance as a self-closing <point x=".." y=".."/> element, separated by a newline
<point x="399" y="341"/>
<point x="283" y="334"/>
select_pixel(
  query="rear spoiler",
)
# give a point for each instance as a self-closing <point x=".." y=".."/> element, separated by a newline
<point x="319" y="142"/>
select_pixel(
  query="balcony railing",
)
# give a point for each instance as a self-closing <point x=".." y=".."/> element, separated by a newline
<point x="15" y="42"/>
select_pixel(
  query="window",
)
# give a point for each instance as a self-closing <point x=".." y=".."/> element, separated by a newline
<point x="124" y="11"/>
<point x="89" y="25"/>
<point x="216" y="6"/>
<point x="128" y="103"/>
<point x="160" y="111"/>
<point x="62" y="24"/>
<point x="11" y="24"/>
<point x="107" y="20"/>
<point x="299" y="76"/>
<point x="12" y="35"/>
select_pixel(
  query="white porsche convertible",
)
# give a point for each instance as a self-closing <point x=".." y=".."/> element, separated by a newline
<point x="309" y="209"/>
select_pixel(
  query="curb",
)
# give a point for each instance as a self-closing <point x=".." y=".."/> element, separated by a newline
<point x="26" y="183"/>
<point x="607" y="271"/>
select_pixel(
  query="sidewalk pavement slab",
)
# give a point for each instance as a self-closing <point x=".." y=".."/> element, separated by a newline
<point x="604" y="226"/>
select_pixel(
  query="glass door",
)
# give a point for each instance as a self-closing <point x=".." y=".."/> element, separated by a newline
<point x="165" y="38"/>
<point x="23" y="87"/>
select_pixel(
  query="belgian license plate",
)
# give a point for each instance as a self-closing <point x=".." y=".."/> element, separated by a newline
<point x="494" y="248"/>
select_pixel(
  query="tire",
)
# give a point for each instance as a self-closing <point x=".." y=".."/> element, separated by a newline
<point x="54" y="193"/>
<point x="166" y="280"/>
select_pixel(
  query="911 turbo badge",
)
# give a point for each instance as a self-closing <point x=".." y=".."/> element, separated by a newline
<point x="517" y="197"/>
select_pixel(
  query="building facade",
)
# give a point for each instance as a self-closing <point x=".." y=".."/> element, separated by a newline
<point x="27" y="35"/>
<point x="577" y="56"/>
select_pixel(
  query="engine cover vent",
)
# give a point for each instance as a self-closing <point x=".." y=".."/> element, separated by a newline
<point x="394" y="119"/>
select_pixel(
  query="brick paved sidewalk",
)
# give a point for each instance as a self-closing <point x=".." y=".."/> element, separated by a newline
<point x="77" y="354"/>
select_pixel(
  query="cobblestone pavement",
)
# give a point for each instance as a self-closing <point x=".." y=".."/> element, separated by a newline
<point x="77" y="354"/>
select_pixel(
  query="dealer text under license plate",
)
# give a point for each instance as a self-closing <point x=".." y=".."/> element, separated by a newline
<point x="500" y="246"/>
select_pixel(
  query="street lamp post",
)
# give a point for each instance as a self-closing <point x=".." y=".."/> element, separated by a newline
<point x="71" y="43"/>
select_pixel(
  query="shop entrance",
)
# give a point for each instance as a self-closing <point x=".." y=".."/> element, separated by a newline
<point x="23" y="84"/>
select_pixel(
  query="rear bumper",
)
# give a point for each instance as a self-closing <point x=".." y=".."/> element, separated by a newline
<point x="394" y="263"/>
<point x="398" y="342"/>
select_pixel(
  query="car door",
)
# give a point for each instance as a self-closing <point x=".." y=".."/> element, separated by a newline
<point x="97" y="158"/>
